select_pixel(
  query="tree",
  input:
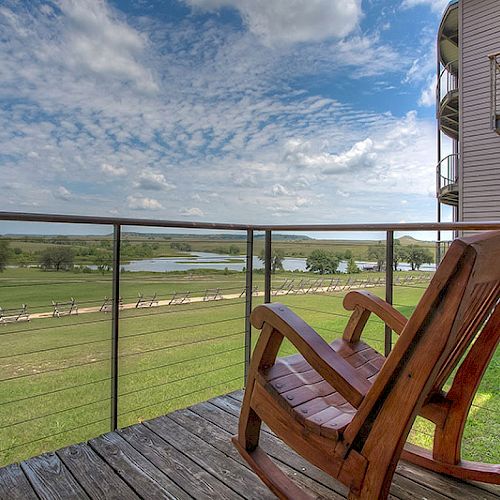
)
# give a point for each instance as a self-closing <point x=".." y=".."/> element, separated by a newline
<point x="352" y="267"/>
<point x="234" y="250"/>
<point x="4" y="254"/>
<point x="58" y="258"/>
<point x="103" y="261"/>
<point x="400" y="254"/>
<point x="181" y="245"/>
<point x="377" y="253"/>
<point x="277" y="257"/>
<point x="417" y="256"/>
<point x="322" y="262"/>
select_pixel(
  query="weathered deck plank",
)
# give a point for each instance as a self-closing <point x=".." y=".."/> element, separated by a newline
<point x="51" y="479"/>
<point x="188" y="454"/>
<point x="191" y="477"/>
<point x="14" y="485"/>
<point x="138" y="472"/>
<point x="97" y="478"/>
<point x="233" y="474"/>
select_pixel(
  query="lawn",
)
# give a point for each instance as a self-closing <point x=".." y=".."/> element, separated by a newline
<point x="55" y="373"/>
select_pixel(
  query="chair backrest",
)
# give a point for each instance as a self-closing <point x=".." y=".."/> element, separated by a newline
<point x="462" y="294"/>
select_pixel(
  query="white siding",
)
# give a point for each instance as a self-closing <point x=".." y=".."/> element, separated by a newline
<point x="480" y="146"/>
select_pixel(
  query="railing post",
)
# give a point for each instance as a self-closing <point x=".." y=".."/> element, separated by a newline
<point x="389" y="275"/>
<point x="267" y="268"/>
<point x="248" y="302"/>
<point x="115" y="326"/>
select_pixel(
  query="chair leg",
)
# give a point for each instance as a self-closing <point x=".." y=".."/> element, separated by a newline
<point x="272" y="476"/>
<point x="247" y="443"/>
<point x="249" y="428"/>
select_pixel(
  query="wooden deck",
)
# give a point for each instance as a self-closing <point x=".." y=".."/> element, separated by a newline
<point x="188" y="454"/>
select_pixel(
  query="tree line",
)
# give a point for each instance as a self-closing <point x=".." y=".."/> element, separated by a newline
<point x="62" y="257"/>
<point x="326" y="262"/>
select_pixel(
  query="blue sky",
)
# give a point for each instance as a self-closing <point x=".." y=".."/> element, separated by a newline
<point x="269" y="111"/>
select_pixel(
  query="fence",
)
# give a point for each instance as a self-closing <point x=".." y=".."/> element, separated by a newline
<point x="74" y="377"/>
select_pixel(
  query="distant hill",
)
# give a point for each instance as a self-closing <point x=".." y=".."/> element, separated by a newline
<point x="410" y="240"/>
<point x="217" y="237"/>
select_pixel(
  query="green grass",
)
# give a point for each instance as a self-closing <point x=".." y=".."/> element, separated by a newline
<point x="170" y="357"/>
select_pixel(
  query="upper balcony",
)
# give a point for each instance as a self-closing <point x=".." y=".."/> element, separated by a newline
<point x="447" y="176"/>
<point x="495" y="92"/>
<point x="448" y="37"/>
<point x="448" y="101"/>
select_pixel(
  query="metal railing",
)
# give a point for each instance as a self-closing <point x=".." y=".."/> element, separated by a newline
<point x="447" y="82"/>
<point x="226" y="337"/>
<point x="447" y="171"/>
<point x="495" y="91"/>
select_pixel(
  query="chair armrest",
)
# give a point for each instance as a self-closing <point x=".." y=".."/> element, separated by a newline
<point x="364" y="303"/>
<point x="329" y="364"/>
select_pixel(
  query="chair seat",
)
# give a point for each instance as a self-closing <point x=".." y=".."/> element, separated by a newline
<point x="303" y="392"/>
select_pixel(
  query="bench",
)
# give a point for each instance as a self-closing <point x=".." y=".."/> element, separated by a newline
<point x="212" y="294"/>
<point x="64" y="308"/>
<point x="180" y="298"/>
<point x="145" y="301"/>
<point x="14" y="315"/>
<point x="285" y="288"/>
<point x="255" y="291"/>
<point x="107" y="305"/>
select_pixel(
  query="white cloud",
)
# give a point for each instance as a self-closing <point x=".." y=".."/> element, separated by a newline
<point x="96" y="40"/>
<point x="435" y="5"/>
<point x="291" y="21"/>
<point x="61" y="193"/>
<point x="139" y="203"/>
<point x="113" y="171"/>
<point x="360" y="156"/>
<point x="151" y="180"/>
<point x="192" y="212"/>
<point x="279" y="190"/>
<point x="428" y="94"/>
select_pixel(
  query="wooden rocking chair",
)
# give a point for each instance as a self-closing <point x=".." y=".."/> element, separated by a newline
<point x="348" y="410"/>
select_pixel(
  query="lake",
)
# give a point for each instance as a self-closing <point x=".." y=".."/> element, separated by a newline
<point x="205" y="260"/>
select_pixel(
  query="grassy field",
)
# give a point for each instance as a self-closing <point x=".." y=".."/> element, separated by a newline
<point x="55" y="373"/>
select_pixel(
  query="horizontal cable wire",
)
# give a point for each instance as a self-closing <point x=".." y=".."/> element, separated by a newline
<point x="189" y="360"/>
<point x="56" y="434"/>
<point x="156" y="349"/>
<point x="77" y="386"/>
<point x="123" y="337"/>
<point x="55" y="391"/>
<point x="180" y="396"/>
<point x="181" y="379"/>
<point x="121" y="356"/>
<point x="62" y="368"/>
<point x="196" y="325"/>
<point x="38" y="417"/>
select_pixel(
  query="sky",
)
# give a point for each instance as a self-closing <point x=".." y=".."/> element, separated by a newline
<point x="251" y="111"/>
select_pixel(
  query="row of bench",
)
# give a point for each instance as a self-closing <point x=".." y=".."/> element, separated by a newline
<point x="289" y="286"/>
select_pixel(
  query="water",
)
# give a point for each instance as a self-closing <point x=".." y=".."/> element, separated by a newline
<point x="205" y="260"/>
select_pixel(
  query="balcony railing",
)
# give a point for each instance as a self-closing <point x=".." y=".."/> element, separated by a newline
<point x="495" y="92"/>
<point x="448" y="171"/>
<point x="447" y="82"/>
<point x="447" y="177"/>
<point x="121" y="360"/>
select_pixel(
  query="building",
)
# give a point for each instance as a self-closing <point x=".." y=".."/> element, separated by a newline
<point x="468" y="111"/>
